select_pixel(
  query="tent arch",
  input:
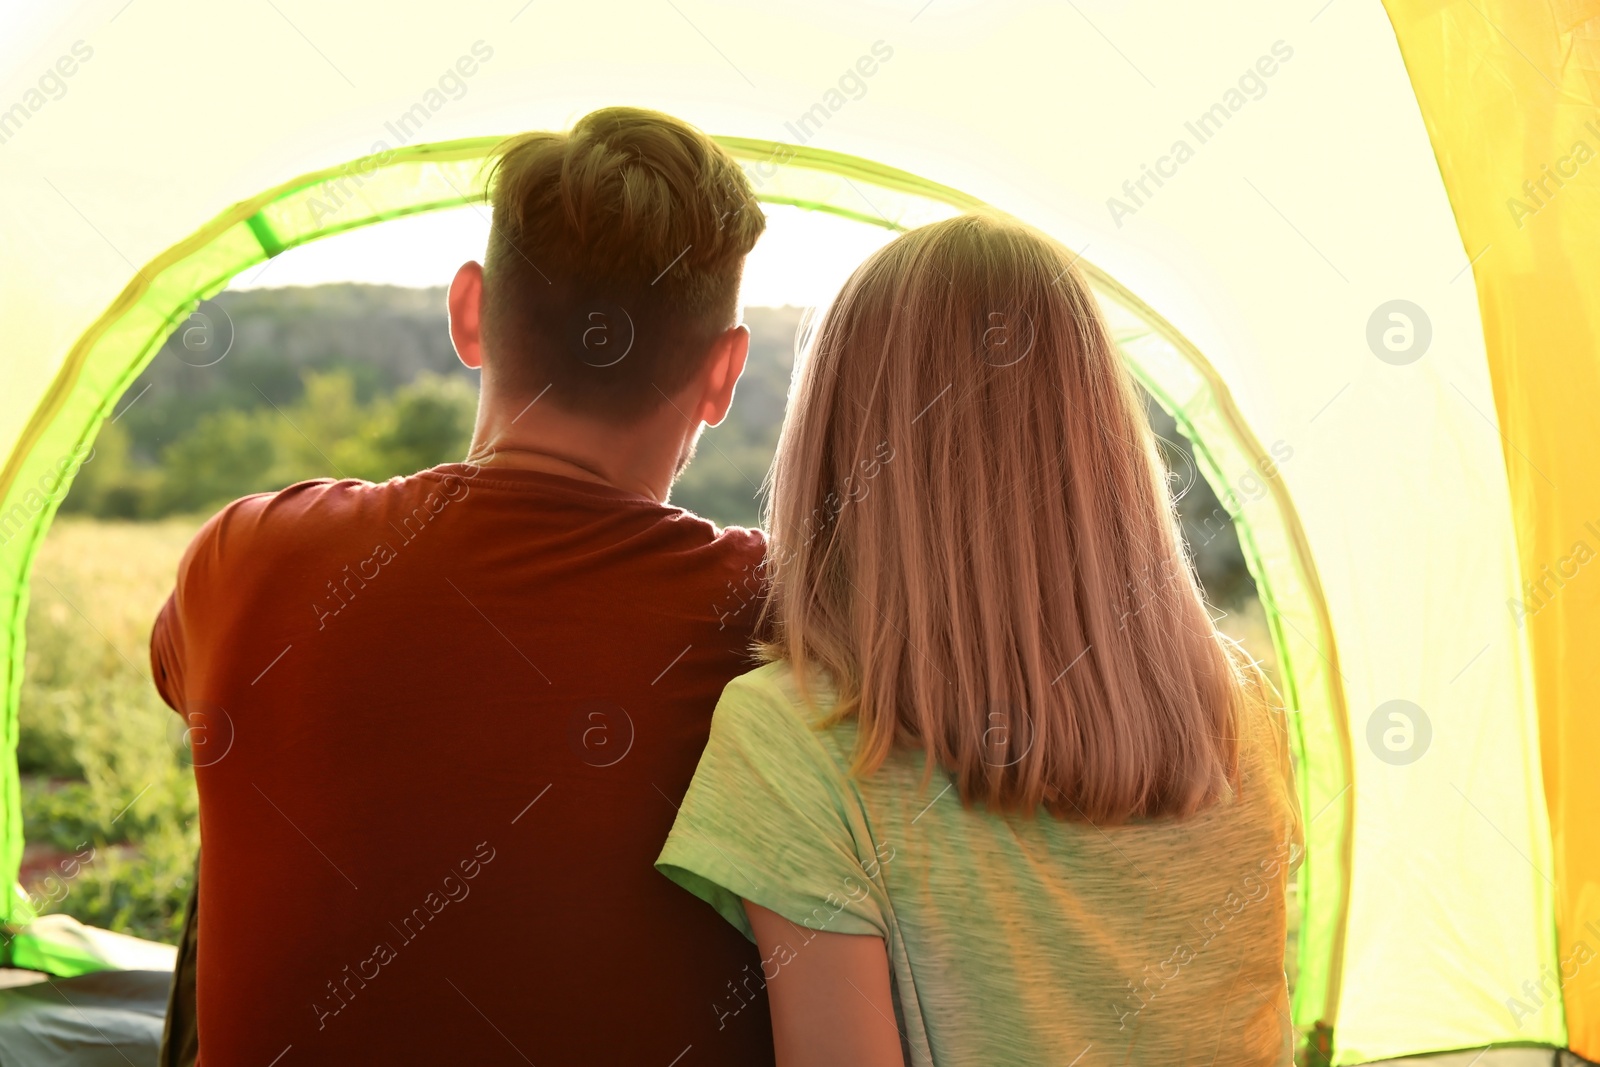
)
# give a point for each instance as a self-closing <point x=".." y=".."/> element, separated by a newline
<point x="429" y="177"/>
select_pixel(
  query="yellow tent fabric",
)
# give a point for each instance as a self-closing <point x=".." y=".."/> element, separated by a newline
<point x="1280" y="209"/>
<point x="1508" y="93"/>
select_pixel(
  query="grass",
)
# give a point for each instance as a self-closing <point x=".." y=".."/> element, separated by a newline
<point x="109" y="807"/>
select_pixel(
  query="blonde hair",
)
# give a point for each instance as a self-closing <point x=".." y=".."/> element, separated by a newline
<point x="614" y="259"/>
<point x="972" y="537"/>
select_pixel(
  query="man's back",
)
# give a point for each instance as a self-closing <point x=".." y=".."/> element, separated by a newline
<point x="441" y="727"/>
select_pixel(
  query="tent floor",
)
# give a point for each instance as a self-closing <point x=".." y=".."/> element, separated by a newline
<point x="115" y="1017"/>
<point x="106" y="1019"/>
<point x="1498" y="1057"/>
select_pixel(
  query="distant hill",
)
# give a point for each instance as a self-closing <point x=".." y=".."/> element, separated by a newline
<point x="269" y="386"/>
<point x="224" y="409"/>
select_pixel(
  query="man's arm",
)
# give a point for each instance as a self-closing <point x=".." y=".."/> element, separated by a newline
<point x="830" y="997"/>
<point x="166" y="654"/>
<point x="169" y="637"/>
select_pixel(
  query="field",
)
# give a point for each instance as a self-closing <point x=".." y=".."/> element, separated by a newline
<point x="109" y="807"/>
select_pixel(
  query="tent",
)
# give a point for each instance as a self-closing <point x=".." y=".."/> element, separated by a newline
<point x="1352" y="248"/>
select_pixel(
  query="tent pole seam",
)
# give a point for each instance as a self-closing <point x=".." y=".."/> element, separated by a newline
<point x="264" y="236"/>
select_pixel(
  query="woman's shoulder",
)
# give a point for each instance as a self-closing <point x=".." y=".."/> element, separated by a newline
<point x="776" y="686"/>
<point x="771" y="705"/>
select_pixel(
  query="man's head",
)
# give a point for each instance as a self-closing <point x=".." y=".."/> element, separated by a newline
<point x="613" y="269"/>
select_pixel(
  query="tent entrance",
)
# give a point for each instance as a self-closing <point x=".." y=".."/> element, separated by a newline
<point x="431" y="177"/>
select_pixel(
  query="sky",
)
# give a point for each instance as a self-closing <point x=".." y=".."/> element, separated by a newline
<point x="802" y="259"/>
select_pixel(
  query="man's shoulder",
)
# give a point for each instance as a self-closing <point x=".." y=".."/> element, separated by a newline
<point x="736" y="548"/>
<point x="267" y="529"/>
<point x="736" y="572"/>
<point x="739" y="542"/>
<point x="250" y="519"/>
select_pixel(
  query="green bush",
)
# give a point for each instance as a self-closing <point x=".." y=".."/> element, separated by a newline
<point x="225" y="450"/>
<point x="328" y="431"/>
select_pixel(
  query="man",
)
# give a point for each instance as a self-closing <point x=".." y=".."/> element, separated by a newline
<point x="442" y="724"/>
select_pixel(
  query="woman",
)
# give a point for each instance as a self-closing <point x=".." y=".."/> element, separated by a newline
<point x="1001" y="793"/>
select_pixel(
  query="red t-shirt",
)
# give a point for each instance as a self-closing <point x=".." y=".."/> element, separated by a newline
<point x="441" y="728"/>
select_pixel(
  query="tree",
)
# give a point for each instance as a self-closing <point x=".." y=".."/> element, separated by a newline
<point x="226" y="455"/>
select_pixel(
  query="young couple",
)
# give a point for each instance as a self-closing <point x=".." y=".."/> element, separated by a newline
<point x="972" y="780"/>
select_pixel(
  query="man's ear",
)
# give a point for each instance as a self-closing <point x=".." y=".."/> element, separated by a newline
<point x="466" y="314"/>
<point x="723" y="367"/>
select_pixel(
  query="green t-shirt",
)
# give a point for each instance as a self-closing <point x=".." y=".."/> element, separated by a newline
<point x="1011" y="940"/>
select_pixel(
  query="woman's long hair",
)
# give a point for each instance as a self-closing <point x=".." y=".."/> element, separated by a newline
<point x="972" y="537"/>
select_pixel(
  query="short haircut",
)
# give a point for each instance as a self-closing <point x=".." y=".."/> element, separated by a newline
<point x="614" y="260"/>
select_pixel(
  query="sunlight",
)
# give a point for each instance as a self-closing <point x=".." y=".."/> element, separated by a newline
<point x="802" y="260"/>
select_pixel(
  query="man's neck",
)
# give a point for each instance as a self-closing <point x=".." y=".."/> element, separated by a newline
<point x="642" y="457"/>
<point x="533" y="460"/>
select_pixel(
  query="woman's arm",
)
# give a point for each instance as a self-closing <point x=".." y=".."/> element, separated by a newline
<point x="830" y="997"/>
